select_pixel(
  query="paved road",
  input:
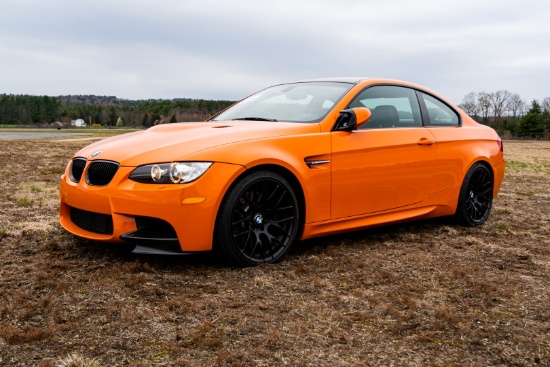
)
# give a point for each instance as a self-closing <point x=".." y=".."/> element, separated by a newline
<point x="16" y="135"/>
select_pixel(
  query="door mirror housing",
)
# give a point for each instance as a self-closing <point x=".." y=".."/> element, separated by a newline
<point x="352" y="119"/>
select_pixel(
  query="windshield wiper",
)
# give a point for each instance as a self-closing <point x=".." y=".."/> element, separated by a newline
<point x="254" y="119"/>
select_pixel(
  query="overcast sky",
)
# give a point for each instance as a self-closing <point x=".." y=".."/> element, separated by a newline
<point x="214" y="49"/>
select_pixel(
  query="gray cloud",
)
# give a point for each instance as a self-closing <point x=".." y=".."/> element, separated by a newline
<point x="218" y="49"/>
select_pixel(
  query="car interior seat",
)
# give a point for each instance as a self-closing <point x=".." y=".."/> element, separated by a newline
<point x="384" y="116"/>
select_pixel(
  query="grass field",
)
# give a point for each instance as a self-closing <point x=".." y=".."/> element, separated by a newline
<point x="428" y="293"/>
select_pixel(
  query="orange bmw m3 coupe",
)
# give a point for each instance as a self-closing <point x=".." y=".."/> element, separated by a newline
<point x="291" y="162"/>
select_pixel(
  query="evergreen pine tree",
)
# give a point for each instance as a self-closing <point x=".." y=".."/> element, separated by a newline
<point x="531" y="124"/>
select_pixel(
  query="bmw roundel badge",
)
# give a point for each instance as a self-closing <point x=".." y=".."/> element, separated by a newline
<point x="95" y="154"/>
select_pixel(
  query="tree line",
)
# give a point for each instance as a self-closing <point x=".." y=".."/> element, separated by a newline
<point x="103" y="110"/>
<point x="503" y="110"/>
<point x="509" y="114"/>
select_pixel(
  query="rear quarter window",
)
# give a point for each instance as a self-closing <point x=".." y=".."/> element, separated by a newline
<point x="439" y="114"/>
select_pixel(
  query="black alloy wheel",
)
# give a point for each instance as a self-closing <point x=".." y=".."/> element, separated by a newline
<point x="258" y="220"/>
<point x="476" y="196"/>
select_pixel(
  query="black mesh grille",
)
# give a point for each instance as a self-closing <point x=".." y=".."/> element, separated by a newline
<point x="100" y="173"/>
<point x="77" y="167"/>
<point x="92" y="222"/>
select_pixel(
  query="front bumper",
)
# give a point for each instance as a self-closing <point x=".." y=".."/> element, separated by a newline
<point x="190" y="209"/>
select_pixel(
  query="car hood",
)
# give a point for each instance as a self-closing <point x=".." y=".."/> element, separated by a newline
<point x="173" y="142"/>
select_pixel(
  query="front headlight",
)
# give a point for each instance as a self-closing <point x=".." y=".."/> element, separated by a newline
<point x="164" y="173"/>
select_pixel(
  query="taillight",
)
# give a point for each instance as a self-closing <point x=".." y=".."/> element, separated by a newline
<point x="500" y="145"/>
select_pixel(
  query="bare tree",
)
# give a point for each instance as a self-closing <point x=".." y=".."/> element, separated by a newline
<point x="470" y="104"/>
<point x="498" y="102"/>
<point x="484" y="103"/>
<point x="545" y="104"/>
<point x="515" y="105"/>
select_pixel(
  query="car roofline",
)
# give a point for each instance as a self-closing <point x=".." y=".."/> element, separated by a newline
<point x="351" y="80"/>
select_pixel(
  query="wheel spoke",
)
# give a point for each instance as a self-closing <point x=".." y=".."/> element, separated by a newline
<point x="279" y="200"/>
<point x="241" y="233"/>
<point x="253" y="251"/>
<point x="484" y="205"/>
<point x="284" y="208"/>
<point x="283" y="244"/>
<point x="272" y="194"/>
<point x="282" y="230"/>
<point x="472" y="211"/>
<point x="243" y="210"/>
<point x="282" y="220"/>
<point x="240" y="221"/>
<point x="486" y="191"/>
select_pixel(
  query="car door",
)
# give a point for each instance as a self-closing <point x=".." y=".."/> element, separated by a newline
<point x="452" y="140"/>
<point x="388" y="163"/>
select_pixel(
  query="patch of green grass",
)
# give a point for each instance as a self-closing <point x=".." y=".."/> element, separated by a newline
<point x="515" y="164"/>
<point x="535" y="166"/>
<point x="35" y="188"/>
<point x="502" y="227"/>
<point x="26" y="202"/>
<point x="504" y="211"/>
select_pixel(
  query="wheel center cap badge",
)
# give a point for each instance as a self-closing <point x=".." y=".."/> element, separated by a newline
<point x="258" y="219"/>
<point x="95" y="154"/>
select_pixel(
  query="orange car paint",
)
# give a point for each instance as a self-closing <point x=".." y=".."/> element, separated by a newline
<point x="338" y="196"/>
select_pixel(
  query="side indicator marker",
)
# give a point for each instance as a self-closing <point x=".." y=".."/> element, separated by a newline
<point x="197" y="200"/>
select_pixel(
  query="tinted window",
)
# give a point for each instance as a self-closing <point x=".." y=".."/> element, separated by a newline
<point x="439" y="113"/>
<point x="391" y="107"/>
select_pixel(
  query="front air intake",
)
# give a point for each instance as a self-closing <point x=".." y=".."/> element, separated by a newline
<point x="92" y="222"/>
<point x="100" y="173"/>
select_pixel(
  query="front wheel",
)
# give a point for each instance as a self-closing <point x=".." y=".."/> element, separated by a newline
<point x="258" y="220"/>
<point x="476" y="196"/>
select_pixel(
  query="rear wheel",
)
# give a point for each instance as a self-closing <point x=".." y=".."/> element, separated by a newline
<point x="476" y="196"/>
<point x="258" y="220"/>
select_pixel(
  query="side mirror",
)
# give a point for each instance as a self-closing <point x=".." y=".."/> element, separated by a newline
<point x="352" y="119"/>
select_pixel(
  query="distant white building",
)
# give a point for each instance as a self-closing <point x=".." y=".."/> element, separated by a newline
<point x="78" y="123"/>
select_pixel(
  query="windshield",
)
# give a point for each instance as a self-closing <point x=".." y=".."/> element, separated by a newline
<point x="297" y="102"/>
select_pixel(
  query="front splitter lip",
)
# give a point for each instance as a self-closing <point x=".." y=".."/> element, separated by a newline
<point x="152" y="245"/>
<point x="148" y="250"/>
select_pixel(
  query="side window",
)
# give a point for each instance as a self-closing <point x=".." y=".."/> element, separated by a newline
<point x="391" y="107"/>
<point x="439" y="113"/>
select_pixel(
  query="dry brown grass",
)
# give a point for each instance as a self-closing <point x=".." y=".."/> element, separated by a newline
<point x="428" y="293"/>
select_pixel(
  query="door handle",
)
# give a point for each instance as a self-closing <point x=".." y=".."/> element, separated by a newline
<point x="425" y="141"/>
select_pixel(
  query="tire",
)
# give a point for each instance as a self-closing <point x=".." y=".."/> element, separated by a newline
<point x="258" y="220"/>
<point x="476" y="196"/>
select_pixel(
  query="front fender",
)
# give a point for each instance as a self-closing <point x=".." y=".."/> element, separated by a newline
<point x="291" y="153"/>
